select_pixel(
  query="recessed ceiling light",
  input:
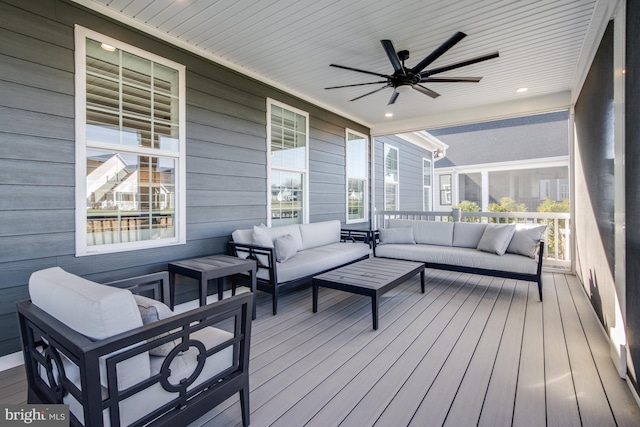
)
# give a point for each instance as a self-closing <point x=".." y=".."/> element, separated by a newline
<point x="388" y="114"/>
<point x="107" y="47"/>
<point x="522" y="89"/>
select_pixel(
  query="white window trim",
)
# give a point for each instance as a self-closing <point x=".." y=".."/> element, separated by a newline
<point x="384" y="176"/>
<point x="365" y="178"/>
<point x="82" y="249"/>
<point x="305" y="171"/>
<point x="430" y="187"/>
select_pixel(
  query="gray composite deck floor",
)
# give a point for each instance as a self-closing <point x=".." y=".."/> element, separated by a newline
<point x="470" y="351"/>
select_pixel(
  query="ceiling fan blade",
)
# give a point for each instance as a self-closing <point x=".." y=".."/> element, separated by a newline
<point x="370" y="93"/>
<point x="475" y="60"/>
<point x="426" y="91"/>
<point x="393" y="98"/>
<point x="360" y="71"/>
<point x="357" y="84"/>
<point x="438" y="52"/>
<point x="393" y="55"/>
<point x="450" y="79"/>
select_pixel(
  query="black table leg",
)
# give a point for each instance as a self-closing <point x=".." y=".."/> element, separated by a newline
<point x="374" y="311"/>
<point x="219" y="282"/>
<point x="203" y="291"/>
<point x="315" y="297"/>
<point x="422" y="280"/>
<point x="172" y="289"/>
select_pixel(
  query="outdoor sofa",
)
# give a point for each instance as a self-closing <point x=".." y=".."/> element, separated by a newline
<point x="119" y="359"/>
<point x="501" y="250"/>
<point x="289" y="256"/>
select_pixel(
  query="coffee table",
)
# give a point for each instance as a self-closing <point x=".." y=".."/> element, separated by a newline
<point x="211" y="267"/>
<point x="371" y="277"/>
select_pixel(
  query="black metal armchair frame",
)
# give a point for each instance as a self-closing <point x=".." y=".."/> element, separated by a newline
<point x="45" y="339"/>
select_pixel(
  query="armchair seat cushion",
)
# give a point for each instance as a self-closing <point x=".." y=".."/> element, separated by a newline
<point x="182" y="366"/>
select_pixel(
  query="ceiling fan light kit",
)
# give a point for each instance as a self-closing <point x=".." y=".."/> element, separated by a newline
<point x="404" y="79"/>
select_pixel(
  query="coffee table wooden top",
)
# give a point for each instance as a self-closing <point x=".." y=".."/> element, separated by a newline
<point x="372" y="273"/>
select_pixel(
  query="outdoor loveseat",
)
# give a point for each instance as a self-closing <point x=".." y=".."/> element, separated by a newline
<point x="119" y="359"/>
<point x="501" y="250"/>
<point x="290" y="255"/>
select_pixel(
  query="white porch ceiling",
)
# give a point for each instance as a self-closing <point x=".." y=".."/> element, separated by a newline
<point x="545" y="45"/>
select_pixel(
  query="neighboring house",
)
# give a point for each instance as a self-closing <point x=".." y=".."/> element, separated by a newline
<point x="525" y="159"/>
<point x="403" y="171"/>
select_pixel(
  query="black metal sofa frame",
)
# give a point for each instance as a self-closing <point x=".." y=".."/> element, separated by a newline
<point x="537" y="277"/>
<point x="44" y="339"/>
<point x="272" y="286"/>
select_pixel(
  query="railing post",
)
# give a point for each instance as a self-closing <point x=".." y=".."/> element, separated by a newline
<point x="455" y="213"/>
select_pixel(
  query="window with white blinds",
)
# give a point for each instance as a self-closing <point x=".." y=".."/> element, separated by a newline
<point x="130" y="147"/>
<point x="288" y="142"/>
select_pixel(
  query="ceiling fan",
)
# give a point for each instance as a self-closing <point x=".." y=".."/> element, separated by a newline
<point x="404" y="79"/>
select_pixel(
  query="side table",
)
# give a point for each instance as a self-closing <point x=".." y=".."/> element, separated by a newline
<point x="211" y="267"/>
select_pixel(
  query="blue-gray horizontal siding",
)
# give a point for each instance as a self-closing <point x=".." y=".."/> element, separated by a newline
<point x="225" y="154"/>
<point x="410" y="172"/>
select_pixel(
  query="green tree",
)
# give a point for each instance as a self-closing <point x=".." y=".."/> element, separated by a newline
<point x="469" y="206"/>
<point x="507" y="204"/>
<point x="549" y="205"/>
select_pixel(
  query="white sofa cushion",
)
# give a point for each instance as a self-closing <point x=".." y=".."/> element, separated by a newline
<point x="427" y="232"/>
<point x="94" y="310"/>
<point x="245" y="236"/>
<point x="262" y="237"/>
<point x="397" y="235"/>
<point x="315" y="260"/>
<point x="466" y="257"/>
<point x="320" y="234"/>
<point x="467" y="234"/>
<point x="285" y="247"/>
<point x="496" y="238"/>
<point x="525" y="240"/>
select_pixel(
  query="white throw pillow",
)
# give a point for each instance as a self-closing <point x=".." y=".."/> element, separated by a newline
<point x="525" y="241"/>
<point x="152" y="311"/>
<point x="261" y="237"/>
<point x="496" y="238"/>
<point x="399" y="235"/>
<point x="285" y="248"/>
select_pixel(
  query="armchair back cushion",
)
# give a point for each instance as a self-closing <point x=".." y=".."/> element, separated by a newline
<point x="98" y="312"/>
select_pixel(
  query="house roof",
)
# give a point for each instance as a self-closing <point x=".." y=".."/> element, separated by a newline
<point x="546" y="46"/>
<point x="522" y="138"/>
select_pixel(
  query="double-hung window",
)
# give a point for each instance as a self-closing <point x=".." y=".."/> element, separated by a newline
<point x="445" y="190"/>
<point x="130" y="147"/>
<point x="288" y="160"/>
<point x="426" y="184"/>
<point x="357" y="177"/>
<point x="391" y="180"/>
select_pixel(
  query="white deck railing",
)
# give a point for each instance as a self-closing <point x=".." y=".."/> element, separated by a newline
<point x="557" y="236"/>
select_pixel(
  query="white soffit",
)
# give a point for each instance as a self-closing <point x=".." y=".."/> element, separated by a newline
<point x="545" y="45"/>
